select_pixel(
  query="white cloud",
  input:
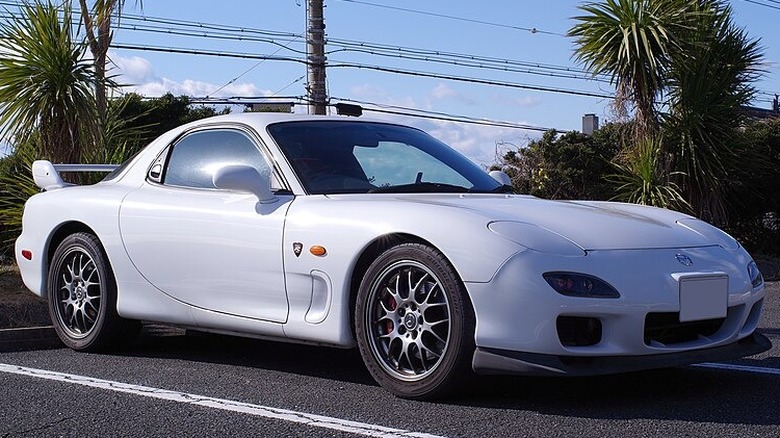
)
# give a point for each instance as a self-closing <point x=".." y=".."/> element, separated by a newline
<point x="372" y="93"/>
<point x="522" y="101"/>
<point x="528" y="101"/>
<point x="137" y="75"/>
<point x="132" y="70"/>
<point x="191" y="87"/>
<point x="483" y="144"/>
<point x="444" y="92"/>
<point x="478" y="142"/>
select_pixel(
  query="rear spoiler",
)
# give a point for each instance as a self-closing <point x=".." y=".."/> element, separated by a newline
<point x="47" y="175"/>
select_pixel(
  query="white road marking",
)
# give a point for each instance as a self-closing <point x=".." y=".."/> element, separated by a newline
<point x="313" y="420"/>
<point x="743" y="368"/>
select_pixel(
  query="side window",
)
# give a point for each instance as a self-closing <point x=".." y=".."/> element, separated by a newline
<point x="196" y="156"/>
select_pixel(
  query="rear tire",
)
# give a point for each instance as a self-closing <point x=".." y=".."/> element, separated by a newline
<point x="82" y="296"/>
<point x="414" y="323"/>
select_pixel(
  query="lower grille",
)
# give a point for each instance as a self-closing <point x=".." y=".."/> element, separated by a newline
<point x="666" y="328"/>
<point x="578" y="331"/>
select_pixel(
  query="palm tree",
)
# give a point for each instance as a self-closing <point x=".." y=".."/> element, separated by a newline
<point x="45" y="83"/>
<point x="97" y="26"/>
<point x="641" y="178"/>
<point x="706" y="95"/>
<point x="631" y="41"/>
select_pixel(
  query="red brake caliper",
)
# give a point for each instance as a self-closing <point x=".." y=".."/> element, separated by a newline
<point x="391" y="305"/>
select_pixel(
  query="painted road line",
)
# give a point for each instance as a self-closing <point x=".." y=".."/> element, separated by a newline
<point x="743" y="368"/>
<point x="313" y="420"/>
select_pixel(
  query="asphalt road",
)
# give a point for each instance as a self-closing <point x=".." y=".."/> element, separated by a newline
<point x="169" y="384"/>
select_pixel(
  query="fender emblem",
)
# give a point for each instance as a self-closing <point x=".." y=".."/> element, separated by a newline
<point x="297" y="248"/>
<point x="684" y="259"/>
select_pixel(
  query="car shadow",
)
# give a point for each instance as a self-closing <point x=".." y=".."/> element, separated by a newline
<point x="695" y="394"/>
<point x="156" y="341"/>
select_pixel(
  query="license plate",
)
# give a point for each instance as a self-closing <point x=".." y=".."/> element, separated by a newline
<point x="703" y="297"/>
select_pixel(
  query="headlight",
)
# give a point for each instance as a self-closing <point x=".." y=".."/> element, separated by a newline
<point x="755" y="275"/>
<point x="536" y="238"/>
<point x="573" y="284"/>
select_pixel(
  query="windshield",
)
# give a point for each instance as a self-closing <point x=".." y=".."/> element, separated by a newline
<point x="360" y="157"/>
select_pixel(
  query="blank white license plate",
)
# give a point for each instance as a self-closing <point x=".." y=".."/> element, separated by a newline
<point x="703" y="297"/>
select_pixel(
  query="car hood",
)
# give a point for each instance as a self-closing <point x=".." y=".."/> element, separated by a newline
<point x="589" y="225"/>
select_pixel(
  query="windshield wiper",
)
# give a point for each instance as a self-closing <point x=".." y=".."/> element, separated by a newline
<point x="422" y="187"/>
<point x="503" y="188"/>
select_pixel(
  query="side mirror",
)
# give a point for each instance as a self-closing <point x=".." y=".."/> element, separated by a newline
<point x="501" y="177"/>
<point x="243" y="178"/>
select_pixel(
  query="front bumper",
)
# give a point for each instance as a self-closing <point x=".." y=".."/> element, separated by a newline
<point x="496" y="361"/>
<point x="518" y="311"/>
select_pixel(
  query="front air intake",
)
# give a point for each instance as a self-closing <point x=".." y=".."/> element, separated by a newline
<point x="578" y="331"/>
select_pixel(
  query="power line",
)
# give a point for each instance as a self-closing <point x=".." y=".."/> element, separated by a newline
<point x="434" y="115"/>
<point x="423" y="55"/>
<point x="505" y="67"/>
<point x="359" y="45"/>
<point x="532" y="30"/>
<point x="470" y="80"/>
<point x="287" y="86"/>
<point x="775" y="6"/>
<point x="247" y="71"/>
<point x="218" y="31"/>
<point x="187" y="51"/>
<point x="399" y="52"/>
<point x="244" y="34"/>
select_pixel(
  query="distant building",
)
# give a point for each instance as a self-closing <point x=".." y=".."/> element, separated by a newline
<point x="763" y="113"/>
<point x="270" y="107"/>
<point x="590" y="123"/>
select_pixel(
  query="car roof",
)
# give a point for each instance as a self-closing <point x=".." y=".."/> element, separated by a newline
<point x="264" y="119"/>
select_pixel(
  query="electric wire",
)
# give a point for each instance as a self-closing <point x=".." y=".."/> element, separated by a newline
<point x="472" y="80"/>
<point x="775" y="6"/>
<point x="423" y="55"/>
<point x="532" y="30"/>
<point x="435" y="115"/>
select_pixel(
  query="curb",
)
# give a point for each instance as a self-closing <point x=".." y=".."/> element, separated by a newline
<point x="28" y="338"/>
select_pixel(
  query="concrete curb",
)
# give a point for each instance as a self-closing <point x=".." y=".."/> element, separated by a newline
<point x="28" y="338"/>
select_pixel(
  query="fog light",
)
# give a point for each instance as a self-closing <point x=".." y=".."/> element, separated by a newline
<point x="580" y="285"/>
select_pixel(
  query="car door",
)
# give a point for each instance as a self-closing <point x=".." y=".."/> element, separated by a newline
<point x="209" y="248"/>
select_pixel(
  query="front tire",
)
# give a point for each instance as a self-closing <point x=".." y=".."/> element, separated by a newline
<point x="82" y="296"/>
<point x="414" y="323"/>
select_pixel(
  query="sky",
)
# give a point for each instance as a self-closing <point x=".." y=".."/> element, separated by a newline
<point x="517" y="33"/>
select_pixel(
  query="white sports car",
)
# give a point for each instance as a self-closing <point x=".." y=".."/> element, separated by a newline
<point x="347" y="232"/>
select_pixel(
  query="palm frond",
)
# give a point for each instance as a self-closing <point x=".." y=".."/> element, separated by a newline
<point x="45" y="82"/>
<point x="642" y="179"/>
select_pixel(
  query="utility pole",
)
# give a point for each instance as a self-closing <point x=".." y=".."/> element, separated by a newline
<point x="315" y="44"/>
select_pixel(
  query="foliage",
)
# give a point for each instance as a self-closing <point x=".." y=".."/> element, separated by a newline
<point x="689" y="58"/>
<point x="642" y="178"/>
<point x="16" y="179"/>
<point x="631" y="41"/>
<point x="754" y="213"/>
<point x="566" y="166"/>
<point x="706" y="95"/>
<point x="44" y="83"/>
<point x="153" y="117"/>
<point x="130" y="123"/>
<point x="97" y="22"/>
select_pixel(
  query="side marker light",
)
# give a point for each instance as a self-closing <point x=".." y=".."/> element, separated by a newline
<point x="318" y="250"/>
